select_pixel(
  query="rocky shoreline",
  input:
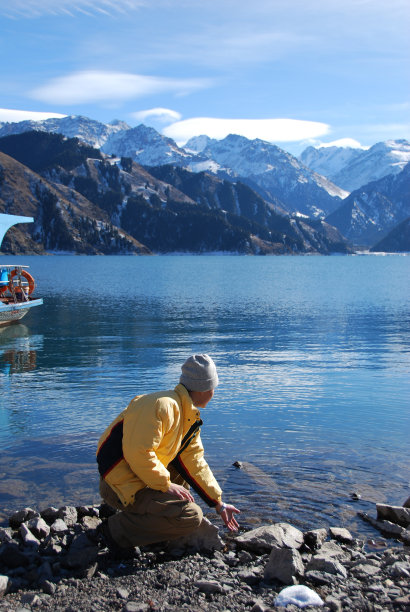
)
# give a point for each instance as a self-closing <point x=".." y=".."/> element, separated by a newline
<point x="57" y="560"/>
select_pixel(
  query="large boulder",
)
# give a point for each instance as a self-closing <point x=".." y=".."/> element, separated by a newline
<point x="263" y="539"/>
<point x="326" y="564"/>
<point x="283" y="565"/>
<point x="399" y="515"/>
<point x="82" y="552"/>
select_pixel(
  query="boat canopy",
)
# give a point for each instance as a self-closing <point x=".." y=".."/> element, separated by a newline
<point x="7" y="221"/>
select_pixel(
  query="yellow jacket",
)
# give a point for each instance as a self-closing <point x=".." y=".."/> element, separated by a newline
<point x="154" y="431"/>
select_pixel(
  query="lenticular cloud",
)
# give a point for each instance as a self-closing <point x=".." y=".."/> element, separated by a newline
<point x="90" y="86"/>
<point x="278" y="130"/>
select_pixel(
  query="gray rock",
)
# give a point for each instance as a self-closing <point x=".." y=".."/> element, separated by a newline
<point x="68" y="514"/>
<point x="136" y="606"/>
<point x="249" y="576"/>
<point x="399" y="515"/>
<point x="90" y="522"/>
<point x="31" y="599"/>
<point x="82" y="552"/>
<point x="283" y="565"/>
<point x="407" y="503"/>
<point x="206" y="538"/>
<point x="47" y="587"/>
<point x="258" y="606"/>
<point x="326" y="564"/>
<point x="21" y="516"/>
<point x="53" y="549"/>
<point x="334" y="604"/>
<point x="6" y="534"/>
<point x="341" y="534"/>
<point x="315" y="538"/>
<point x="123" y="593"/>
<point x="4" y="585"/>
<point x="231" y="559"/>
<point x="405" y="537"/>
<point x="59" y="526"/>
<point x="365" y="570"/>
<point x="89" y="571"/>
<point x="208" y="586"/>
<point x="28" y="538"/>
<point x="49" y="514"/>
<point x="403" y="602"/>
<point x="400" y="569"/>
<point x="244" y="556"/>
<point x="88" y="511"/>
<point x="320" y="578"/>
<point x="263" y="539"/>
<point x="335" y="551"/>
<point x="385" y="527"/>
<point x="38" y="527"/>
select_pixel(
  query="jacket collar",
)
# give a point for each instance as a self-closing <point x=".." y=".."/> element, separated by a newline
<point x="191" y="413"/>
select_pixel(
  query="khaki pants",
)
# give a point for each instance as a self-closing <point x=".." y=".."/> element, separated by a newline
<point x="153" y="517"/>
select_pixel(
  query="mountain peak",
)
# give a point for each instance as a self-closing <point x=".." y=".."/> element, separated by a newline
<point x="197" y="144"/>
<point x="352" y="168"/>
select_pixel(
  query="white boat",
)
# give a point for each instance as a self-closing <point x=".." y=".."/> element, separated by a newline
<point x="16" y="283"/>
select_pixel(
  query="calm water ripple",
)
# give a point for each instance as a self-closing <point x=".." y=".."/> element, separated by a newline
<point x="314" y="362"/>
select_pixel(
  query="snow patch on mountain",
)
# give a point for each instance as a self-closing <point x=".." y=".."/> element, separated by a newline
<point x="275" y="172"/>
<point x="352" y="168"/>
<point x="89" y="131"/>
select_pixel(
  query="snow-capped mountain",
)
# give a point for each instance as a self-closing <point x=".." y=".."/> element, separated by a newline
<point x="328" y="161"/>
<point x="86" y="202"/>
<point x="269" y="169"/>
<point x="145" y="146"/>
<point x="352" y="168"/>
<point x="370" y="212"/>
<point x="89" y="131"/>
<point x="277" y="175"/>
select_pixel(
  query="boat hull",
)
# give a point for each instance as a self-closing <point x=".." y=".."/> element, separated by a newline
<point x="10" y="313"/>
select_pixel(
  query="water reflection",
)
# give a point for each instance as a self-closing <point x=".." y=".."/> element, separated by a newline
<point x="314" y="363"/>
<point x="18" y="349"/>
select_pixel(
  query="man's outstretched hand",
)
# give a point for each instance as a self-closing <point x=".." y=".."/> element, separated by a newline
<point x="227" y="512"/>
<point x="180" y="491"/>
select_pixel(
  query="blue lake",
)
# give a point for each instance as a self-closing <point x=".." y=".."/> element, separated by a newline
<point x="313" y="355"/>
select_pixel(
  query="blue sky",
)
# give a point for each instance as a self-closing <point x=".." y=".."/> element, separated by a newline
<point x="294" y="72"/>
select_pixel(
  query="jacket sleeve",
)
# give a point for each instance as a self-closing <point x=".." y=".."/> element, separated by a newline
<point x="142" y="435"/>
<point x="191" y="465"/>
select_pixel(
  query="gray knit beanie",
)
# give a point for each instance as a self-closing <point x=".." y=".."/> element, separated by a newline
<point x="199" y="373"/>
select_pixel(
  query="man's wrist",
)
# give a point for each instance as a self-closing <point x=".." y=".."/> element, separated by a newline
<point x="220" y="507"/>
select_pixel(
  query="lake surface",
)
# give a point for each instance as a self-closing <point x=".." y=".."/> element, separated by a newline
<point x="313" y="355"/>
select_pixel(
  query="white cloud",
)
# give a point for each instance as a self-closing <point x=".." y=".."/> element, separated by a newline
<point x="36" y="8"/>
<point x="162" y="115"/>
<point x="342" y="142"/>
<point x="272" y="130"/>
<point x="12" y="116"/>
<point x="91" y="86"/>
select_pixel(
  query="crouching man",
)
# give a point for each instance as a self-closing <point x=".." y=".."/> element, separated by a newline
<point x="149" y="457"/>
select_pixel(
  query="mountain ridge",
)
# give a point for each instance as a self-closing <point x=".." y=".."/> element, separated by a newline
<point x="353" y="168"/>
<point x="282" y="178"/>
<point x="98" y="191"/>
<point x="371" y="212"/>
